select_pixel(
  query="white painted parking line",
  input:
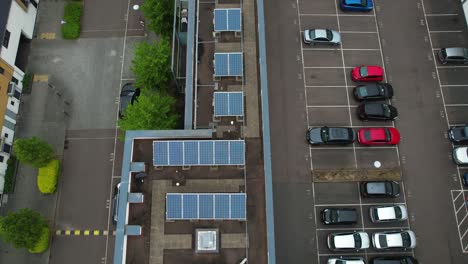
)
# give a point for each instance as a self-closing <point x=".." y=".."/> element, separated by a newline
<point x="344" y="86"/>
<point x="452" y="66"/>
<point x="359" y="32"/>
<point x="355" y="204"/>
<point x="458" y="210"/>
<point x="331" y="148"/>
<point x="461" y="222"/>
<point x="364" y="253"/>
<point x="330" y="106"/>
<point x="453" y="85"/>
<point x="455" y="105"/>
<point x="446" y="31"/>
<point x="464" y="234"/>
<point x="457" y="196"/>
<point x="320" y="49"/>
<point x="441" y="14"/>
<point x="326" y="67"/>
<point x="340" y="15"/>
<point x="367" y="228"/>
<point x="377" y="147"/>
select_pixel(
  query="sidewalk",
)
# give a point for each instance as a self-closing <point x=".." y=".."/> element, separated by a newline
<point x="41" y="115"/>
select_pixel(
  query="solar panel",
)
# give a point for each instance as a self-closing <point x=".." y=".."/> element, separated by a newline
<point x="174" y="206"/>
<point x="209" y="206"/>
<point x="198" y="153"/>
<point x="228" y="64"/>
<point x="227" y="19"/>
<point x="228" y="103"/>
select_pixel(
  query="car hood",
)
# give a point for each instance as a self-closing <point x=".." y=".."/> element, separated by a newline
<point x="307" y="35"/>
<point x="459" y="133"/>
<point x="315" y="135"/>
<point x="336" y="36"/>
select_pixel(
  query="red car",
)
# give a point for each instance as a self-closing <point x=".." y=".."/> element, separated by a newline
<point x="367" y="74"/>
<point x="378" y="136"/>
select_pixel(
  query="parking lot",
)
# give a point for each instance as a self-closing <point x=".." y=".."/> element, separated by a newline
<point x="429" y="97"/>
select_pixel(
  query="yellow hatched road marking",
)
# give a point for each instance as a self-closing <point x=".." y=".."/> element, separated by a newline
<point x="96" y="232"/>
<point x="77" y="232"/>
<point x="41" y="78"/>
<point x="47" y="35"/>
<point x="86" y="232"/>
<point x="67" y="232"/>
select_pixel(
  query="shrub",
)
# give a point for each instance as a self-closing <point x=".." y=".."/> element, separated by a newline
<point x="43" y="242"/>
<point x="72" y="17"/>
<point x="9" y="175"/>
<point x="48" y="177"/>
<point x="33" y="151"/>
<point x="27" y="82"/>
<point x="23" y="229"/>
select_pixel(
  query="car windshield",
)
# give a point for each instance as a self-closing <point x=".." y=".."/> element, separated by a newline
<point x="363" y="71"/>
<point x="387" y="135"/>
<point x="405" y="237"/>
<point x="375" y="213"/>
<point x="388" y="188"/>
<point x="397" y="211"/>
<point x="312" y="34"/>
<point x="324" y="134"/>
<point x="363" y="91"/>
<point x="383" y="241"/>
<point x="386" y="110"/>
<point x="340" y="261"/>
<point x="357" y="240"/>
<point x="465" y="131"/>
<point x="329" y="35"/>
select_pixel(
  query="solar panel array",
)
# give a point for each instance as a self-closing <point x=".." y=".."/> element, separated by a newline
<point x="206" y="206"/>
<point x="227" y="19"/>
<point x="228" y="64"/>
<point x="228" y="103"/>
<point x="198" y="153"/>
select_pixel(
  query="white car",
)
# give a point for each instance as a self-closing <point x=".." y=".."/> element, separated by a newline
<point x="346" y="260"/>
<point x="460" y="155"/>
<point x="322" y="36"/>
<point x="388" y="213"/>
<point x="348" y="241"/>
<point x="394" y="240"/>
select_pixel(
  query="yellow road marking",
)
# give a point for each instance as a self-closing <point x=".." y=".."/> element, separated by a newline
<point x="96" y="232"/>
<point x="67" y="232"/>
<point x="41" y="78"/>
<point x="77" y="232"/>
<point x="47" y="35"/>
<point x="86" y="232"/>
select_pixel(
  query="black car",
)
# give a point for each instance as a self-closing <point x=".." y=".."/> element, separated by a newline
<point x="377" y="111"/>
<point x="373" y="91"/>
<point x="380" y="189"/>
<point x="128" y="95"/>
<point x="332" y="216"/>
<point x="458" y="134"/>
<point x="395" y="260"/>
<point x="330" y="136"/>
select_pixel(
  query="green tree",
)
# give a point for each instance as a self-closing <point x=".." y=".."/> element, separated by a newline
<point x="23" y="229"/>
<point x="152" y="65"/>
<point x="33" y="151"/>
<point x="152" y="111"/>
<point x="160" y="14"/>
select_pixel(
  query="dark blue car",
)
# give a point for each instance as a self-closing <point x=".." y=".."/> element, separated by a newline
<point x="465" y="179"/>
<point x="356" y="5"/>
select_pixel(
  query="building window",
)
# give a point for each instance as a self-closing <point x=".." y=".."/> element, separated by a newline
<point x="6" y="148"/>
<point x="2" y="70"/>
<point x="34" y="3"/>
<point x="12" y="103"/>
<point x="6" y="135"/>
<point x="1" y="159"/>
<point x="6" y="39"/>
<point x="13" y="79"/>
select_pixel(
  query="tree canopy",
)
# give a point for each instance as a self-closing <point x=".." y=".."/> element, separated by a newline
<point x="23" y="229"/>
<point x="152" y="111"/>
<point x="160" y="14"/>
<point x="152" y="65"/>
<point x="33" y="151"/>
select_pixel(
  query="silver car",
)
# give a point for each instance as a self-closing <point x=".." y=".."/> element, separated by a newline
<point x="322" y="36"/>
<point x="455" y="55"/>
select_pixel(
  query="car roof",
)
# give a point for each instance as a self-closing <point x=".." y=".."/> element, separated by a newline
<point x="374" y="108"/>
<point x="386" y="213"/>
<point x="320" y="33"/>
<point x="351" y="2"/>
<point x="456" y="51"/>
<point x="394" y="239"/>
<point x="344" y="240"/>
<point x="374" y="70"/>
<point x="338" y="133"/>
<point x="377" y="133"/>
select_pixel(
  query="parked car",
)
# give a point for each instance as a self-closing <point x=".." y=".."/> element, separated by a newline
<point x="458" y="134"/>
<point x="394" y="260"/>
<point x="380" y="189"/>
<point x="128" y="95"/>
<point x="348" y="241"/>
<point x="356" y="5"/>
<point x="388" y="213"/>
<point x="455" y="55"/>
<point x="373" y="91"/>
<point x="115" y="203"/>
<point x="378" y="136"/>
<point x="377" y="111"/>
<point x="332" y="216"/>
<point x="346" y="260"/>
<point x="322" y="36"/>
<point x="330" y="136"/>
<point x="394" y="240"/>
<point x="460" y="155"/>
<point x="367" y="74"/>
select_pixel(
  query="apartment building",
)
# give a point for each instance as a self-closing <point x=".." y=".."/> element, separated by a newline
<point x="17" y="20"/>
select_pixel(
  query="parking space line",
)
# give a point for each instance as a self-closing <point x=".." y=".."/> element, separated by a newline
<point x="446" y="31"/>
<point x="359" y="32"/>
<point x="331" y="148"/>
<point x="461" y="222"/>
<point x="367" y="228"/>
<point x="344" y="86"/>
<point x="458" y="210"/>
<point x="377" y="147"/>
<point x="455" y="105"/>
<point x="464" y="235"/>
<point x="355" y="204"/>
<point x="364" y="253"/>
<point x="341" y="15"/>
<point x="342" y="49"/>
<point x="457" y="197"/>
<point x="452" y="66"/>
<point x="329" y="106"/>
<point x="441" y="14"/>
<point x="325" y="67"/>
<point x="452" y="85"/>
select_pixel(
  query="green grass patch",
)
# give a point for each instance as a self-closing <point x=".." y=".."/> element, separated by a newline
<point x="43" y="242"/>
<point x="10" y="175"/>
<point x="48" y="177"/>
<point x="72" y="17"/>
